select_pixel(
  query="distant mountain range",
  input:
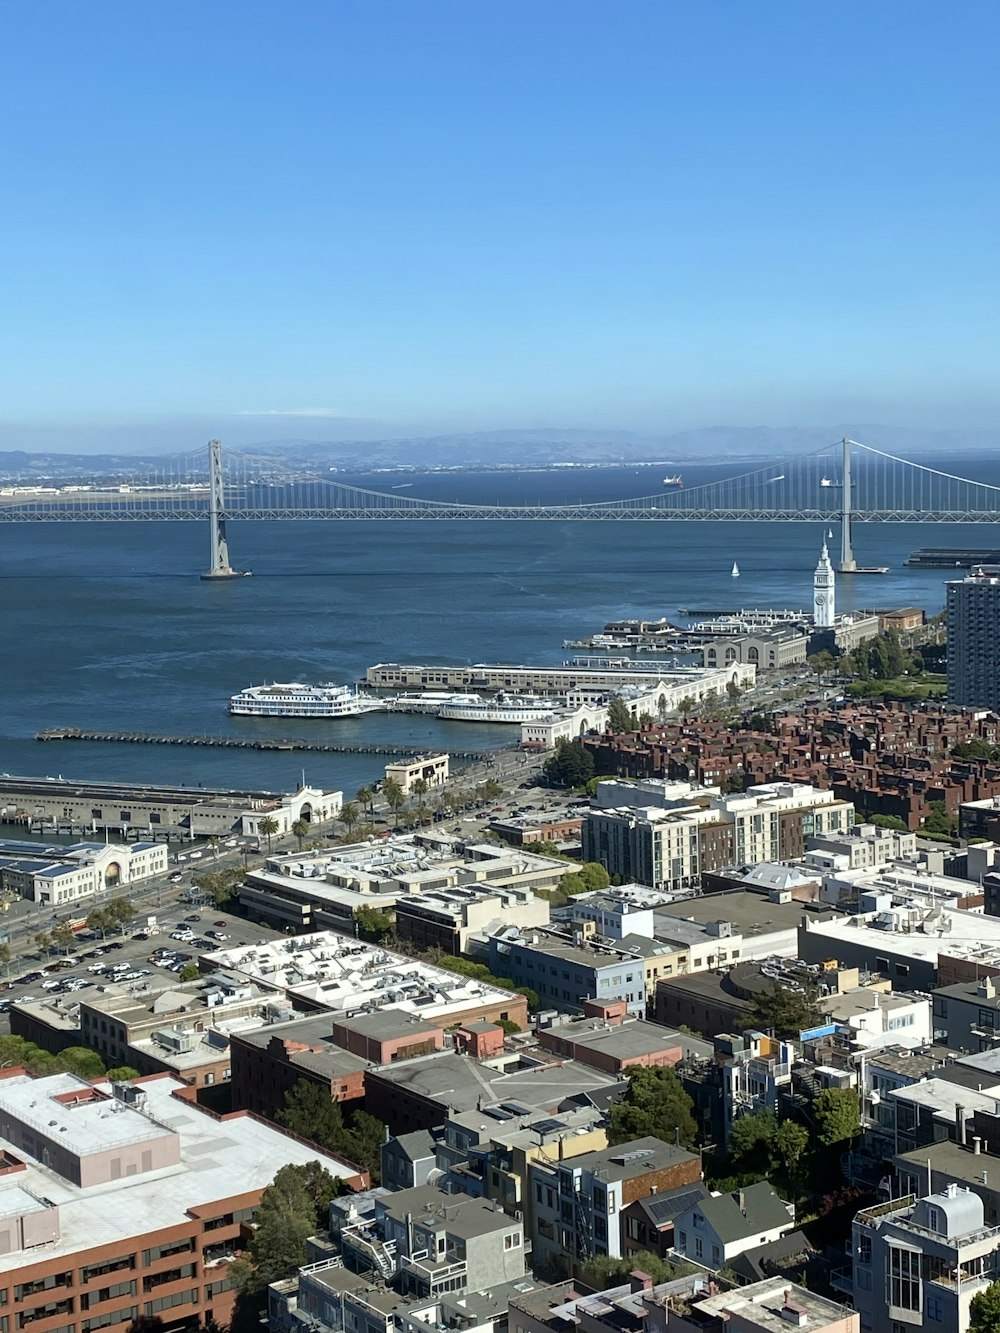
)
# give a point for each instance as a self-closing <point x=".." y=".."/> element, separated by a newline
<point x="535" y="448"/>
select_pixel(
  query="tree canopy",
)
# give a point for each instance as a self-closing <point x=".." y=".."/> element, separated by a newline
<point x="292" y="1208"/>
<point x="619" y="717"/>
<point x="838" y="1116"/>
<point x="784" y="1012"/>
<point x="654" y="1103"/>
<point x="984" y="1311"/>
<point x="570" y="766"/>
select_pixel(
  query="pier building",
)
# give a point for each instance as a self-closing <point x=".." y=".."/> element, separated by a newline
<point x="158" y="813"/>
<point x="61" y="876"/>
<point x="562" y="681"/>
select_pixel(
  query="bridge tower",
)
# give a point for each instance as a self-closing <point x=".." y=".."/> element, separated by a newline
<point x="220" y="566"/>
<point x="848" y="564"/>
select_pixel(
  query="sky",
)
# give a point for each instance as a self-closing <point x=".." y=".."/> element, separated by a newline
<point x="323" y="218"/>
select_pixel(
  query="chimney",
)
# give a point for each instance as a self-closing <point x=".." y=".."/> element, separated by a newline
<point x="639" y="1281"/>
<point x="977" y="1144"/>
<point x="960" y="1125"/>
<point x="741" y="1199"/>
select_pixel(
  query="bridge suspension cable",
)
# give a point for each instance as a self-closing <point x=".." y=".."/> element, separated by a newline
<point x="844" y="482"/>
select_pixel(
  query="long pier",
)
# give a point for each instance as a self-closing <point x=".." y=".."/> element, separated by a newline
<point x="245" y="743"/>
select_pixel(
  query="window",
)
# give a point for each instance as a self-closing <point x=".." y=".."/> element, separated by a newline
<point x="512" y="1242"/>
<point x="699" y="1248"/>
<point x="682" y="1239"/>
<point x="715" y="1254"/>
<point x="934" y="1309"/>
<point x="863" y="1279"/>
<point x="865" y="1250"/>
<point x="904" y="1278"/>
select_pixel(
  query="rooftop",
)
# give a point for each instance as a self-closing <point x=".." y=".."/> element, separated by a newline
<point x="749" y="913"/>
<point x="217" y="1160"/>
<point x="461" y="1083"/>
<point x="635" y="1158"/>
<point x="334" y="971"/>
<point x="459" y="1214"/>
<point x="70" y="1111"/>
<point x="760" y="1306"/>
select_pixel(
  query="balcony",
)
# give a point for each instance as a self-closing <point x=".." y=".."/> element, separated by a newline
<point x="842" y="1280"/>
<point x="427" y="1277"/>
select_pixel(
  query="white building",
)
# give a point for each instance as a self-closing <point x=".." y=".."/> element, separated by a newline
<point x="431" y="768"/>
<point x="715" y="1230"/>
<point x="871" y="1018"/>
<point x="64" y="876"/>
<point x="824" y="593"/>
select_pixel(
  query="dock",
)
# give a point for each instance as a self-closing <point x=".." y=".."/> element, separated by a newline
<point x="246" y="743"/>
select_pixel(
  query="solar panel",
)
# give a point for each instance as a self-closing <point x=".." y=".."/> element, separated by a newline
<point x="663" y="1209"/>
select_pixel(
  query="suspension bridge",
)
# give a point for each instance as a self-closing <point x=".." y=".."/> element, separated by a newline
<point x="843" y="483"/>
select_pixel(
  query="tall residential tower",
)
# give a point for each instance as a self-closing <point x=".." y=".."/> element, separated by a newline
<point x="974" y="639"/>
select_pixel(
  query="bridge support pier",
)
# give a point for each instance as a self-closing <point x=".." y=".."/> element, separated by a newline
<point x="220" y="567"/>
<point x="848" y="564"/>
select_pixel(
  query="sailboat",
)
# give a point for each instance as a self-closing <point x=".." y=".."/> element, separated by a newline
<point x="829" y="534"/>
<point x="736" y="570"/>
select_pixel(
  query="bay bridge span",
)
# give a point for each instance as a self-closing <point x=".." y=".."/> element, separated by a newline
<point x="845" y="482"/>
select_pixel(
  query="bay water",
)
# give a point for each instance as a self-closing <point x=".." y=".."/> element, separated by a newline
<point x="108" y="625"/>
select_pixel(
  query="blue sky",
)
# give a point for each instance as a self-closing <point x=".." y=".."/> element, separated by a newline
<point x="653" y="215"/>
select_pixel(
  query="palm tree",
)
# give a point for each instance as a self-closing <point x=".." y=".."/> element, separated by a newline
<point x="419" y="788"/>
<point x="349" y="815"/>
<point x="395" y="798"/>
<point x="300" y="830"/>
<point x="365" y="797"/>
<point x="268" y="826"/>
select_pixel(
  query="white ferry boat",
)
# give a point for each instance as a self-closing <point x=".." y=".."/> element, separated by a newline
<point x="501" y="708"/>
<point x="298" y="700"/>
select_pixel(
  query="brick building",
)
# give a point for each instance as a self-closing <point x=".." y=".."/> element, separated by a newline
<point x="885" y="758"/>
<point x="126" y="1200"/>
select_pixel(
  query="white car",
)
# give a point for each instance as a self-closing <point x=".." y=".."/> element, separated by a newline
<point x="50" y="985"/>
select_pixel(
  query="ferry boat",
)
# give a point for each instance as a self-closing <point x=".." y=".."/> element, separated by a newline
<point x="299" y="700"/>
<point x="501" y="708"/>
<point x="675" y="480"/>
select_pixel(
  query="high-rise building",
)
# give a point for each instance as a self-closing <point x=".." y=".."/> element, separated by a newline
<point x="974" y="639"/>
<point x="824" y="593"/>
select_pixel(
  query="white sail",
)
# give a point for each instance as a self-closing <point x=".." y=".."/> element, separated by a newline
<point x="736" y="570"/>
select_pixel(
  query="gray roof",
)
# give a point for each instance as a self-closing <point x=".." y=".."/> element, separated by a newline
<point x="762" y="1211"/>
<point x="415" y="1146"/>
<point x="384" y="1024"/>
<point x="459" y="1081"/>
<point x="459" y="1214"/>
<point x="635" y="1158"/>
<point x="762" y="1261"/>
<point x="749" y="913"/>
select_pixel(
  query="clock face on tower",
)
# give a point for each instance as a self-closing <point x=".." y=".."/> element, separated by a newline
<point x="821" y="599"/>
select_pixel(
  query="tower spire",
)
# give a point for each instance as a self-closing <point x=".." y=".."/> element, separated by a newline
<point x="824" y="592"/>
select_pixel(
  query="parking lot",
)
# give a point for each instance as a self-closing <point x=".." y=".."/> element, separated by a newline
<point x="180" y="935"/>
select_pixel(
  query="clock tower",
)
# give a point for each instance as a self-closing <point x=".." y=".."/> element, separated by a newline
<point x="824" y="592"/>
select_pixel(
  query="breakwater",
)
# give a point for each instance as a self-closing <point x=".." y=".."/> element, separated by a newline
<point x="244" y="743"/>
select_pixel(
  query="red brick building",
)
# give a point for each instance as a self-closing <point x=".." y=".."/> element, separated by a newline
<point x="127" y="1200"/>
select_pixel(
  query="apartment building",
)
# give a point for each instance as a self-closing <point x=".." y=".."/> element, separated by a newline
<point x="670" y="848"/>
<point x="436" y="1243"/>
<point x="578" y="1204"/>
<point x="918" y="1262"/>
<point x="973" y="618"/>
<point x="124" y="1200"/>
<point x="566" y="968"/>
